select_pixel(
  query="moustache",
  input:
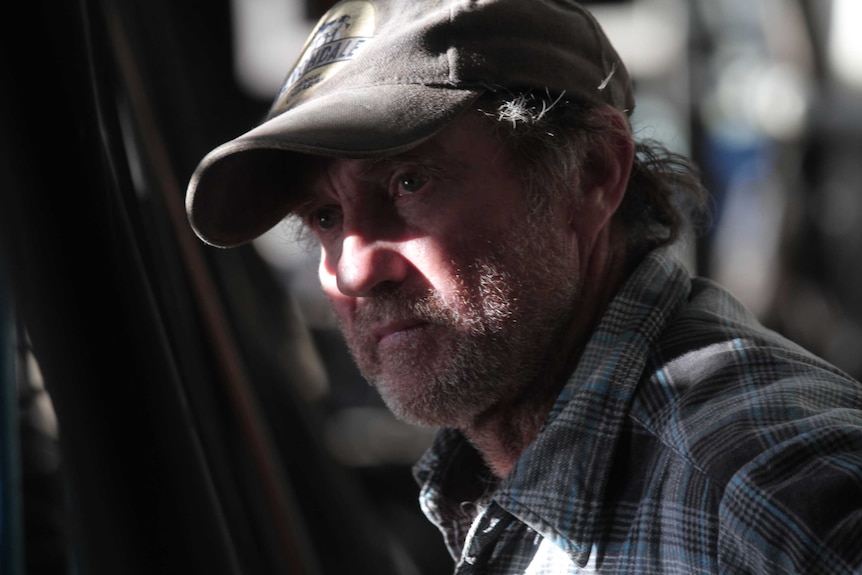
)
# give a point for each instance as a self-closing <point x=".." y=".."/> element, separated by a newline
<point x="432" y="308"/>
<point x="428" y="307"/>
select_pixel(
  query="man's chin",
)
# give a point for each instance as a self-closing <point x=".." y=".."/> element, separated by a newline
<point x="431" y="398"/>
<point x="411" y="401"/>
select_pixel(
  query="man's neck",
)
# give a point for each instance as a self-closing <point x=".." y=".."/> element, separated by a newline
<point x="502" y="435"/>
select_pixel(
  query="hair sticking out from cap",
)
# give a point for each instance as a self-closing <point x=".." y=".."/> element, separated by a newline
<point x="521" y="110"/>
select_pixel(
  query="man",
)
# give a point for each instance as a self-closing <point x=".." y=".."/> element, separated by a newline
<point x="495" y="246"/>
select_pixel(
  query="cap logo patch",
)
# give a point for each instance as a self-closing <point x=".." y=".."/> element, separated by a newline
<point x="339" y="36"/>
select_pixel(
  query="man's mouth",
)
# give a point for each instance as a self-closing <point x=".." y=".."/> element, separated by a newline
<point x="393" y="330"/>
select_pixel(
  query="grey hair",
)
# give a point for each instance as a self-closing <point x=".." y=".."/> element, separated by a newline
<point x="552" y="138"/>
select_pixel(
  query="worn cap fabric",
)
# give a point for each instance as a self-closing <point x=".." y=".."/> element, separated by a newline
<point x="377" y="77"/>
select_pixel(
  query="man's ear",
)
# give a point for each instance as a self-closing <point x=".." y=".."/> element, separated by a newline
<point x="604" y="175"/>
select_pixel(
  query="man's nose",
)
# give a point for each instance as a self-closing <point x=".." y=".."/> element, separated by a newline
<point x="367" y="263"/>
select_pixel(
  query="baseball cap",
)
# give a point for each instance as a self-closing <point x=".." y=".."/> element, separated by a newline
<point x="378" y="77"/>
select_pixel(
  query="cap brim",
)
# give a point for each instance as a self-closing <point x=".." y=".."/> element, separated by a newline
<point x="246" y="186"/>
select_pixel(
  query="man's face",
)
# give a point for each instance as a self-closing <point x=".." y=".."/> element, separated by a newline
<point x="448" y="293"/>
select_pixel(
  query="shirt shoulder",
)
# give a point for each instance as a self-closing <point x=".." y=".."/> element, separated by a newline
<point x="719" y="383"/>
<point x="772" y="433"/>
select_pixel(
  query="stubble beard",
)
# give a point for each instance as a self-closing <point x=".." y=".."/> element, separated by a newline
<point x="480" y="347"/>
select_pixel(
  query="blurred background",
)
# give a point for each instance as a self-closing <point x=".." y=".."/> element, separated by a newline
<point x="168" y="407"/>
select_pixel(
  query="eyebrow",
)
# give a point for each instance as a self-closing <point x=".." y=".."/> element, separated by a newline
<point x="428" y="156"/>
<point x="375" y="166"/>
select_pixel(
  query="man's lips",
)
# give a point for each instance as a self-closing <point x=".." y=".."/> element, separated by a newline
<point x="391" y="329"/>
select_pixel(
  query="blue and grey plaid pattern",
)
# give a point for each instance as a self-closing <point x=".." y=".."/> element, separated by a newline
<point x="689" y="439"/>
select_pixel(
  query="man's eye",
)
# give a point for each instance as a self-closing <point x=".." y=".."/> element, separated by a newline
<point x="324" y="219"/>
<point x="410" y="183"/>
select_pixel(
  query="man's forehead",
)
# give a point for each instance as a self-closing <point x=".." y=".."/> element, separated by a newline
<point x="370" y="168"/>
<point x="444" y="150"/>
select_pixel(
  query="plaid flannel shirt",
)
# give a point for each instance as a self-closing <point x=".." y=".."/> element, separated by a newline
<point x="689" y="439"/>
